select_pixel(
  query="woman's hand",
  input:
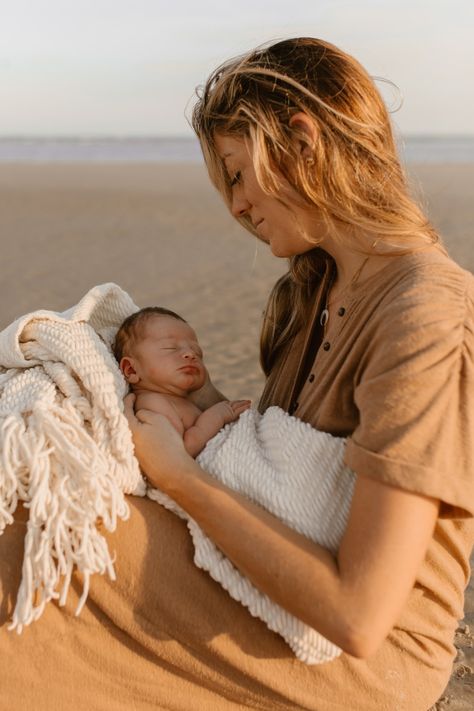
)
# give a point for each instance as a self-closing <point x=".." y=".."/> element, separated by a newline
<point x="158" y="447"/>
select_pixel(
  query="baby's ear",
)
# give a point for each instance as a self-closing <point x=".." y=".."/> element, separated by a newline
<point x="128" y="369"/>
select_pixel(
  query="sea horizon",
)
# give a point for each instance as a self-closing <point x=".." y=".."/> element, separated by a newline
<point x="186" y="149"/>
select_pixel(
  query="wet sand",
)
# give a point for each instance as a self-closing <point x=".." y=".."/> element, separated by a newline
<point x="162" y="233"/>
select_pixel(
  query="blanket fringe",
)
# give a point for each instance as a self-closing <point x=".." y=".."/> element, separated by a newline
<point x="13" y="479"/>
<point x="66" y="449"/>
<point x="54" y="467"/>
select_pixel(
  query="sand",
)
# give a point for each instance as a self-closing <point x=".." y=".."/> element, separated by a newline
<point x="163" y="234"/>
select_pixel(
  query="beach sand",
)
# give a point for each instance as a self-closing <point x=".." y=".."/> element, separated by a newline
<point x="163" y="234"/>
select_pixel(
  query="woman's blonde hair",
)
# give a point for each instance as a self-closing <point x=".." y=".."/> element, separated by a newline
<point x="353" y="174"/>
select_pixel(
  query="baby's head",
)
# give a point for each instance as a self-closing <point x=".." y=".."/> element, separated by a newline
<point x="158" y="351"/>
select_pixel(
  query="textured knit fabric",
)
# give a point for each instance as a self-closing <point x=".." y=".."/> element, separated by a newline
<point x="66" y="448"/>
<point x="165" y="636"/>
<point x="68" y="454"/>
<point x="297" y="474"/>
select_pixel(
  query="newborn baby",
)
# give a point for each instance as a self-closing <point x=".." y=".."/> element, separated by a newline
<point x="160" y="357"/>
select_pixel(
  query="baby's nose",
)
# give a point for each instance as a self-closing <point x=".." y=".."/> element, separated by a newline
<point x="189" y="354"/>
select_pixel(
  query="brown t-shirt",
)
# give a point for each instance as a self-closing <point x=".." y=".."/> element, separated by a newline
<point x="395" y="373"/>
<point x="398" y="380"/>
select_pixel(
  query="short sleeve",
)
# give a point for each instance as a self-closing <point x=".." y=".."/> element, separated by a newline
<point x="415" y="390"/>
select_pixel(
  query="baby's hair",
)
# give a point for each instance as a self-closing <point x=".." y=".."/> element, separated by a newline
<point x="134" y="325"/>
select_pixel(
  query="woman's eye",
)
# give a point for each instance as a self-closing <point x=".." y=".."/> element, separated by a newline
<point x="235" y="179"/>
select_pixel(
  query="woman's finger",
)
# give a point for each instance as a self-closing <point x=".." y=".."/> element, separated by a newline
<point x="156" y="419"/>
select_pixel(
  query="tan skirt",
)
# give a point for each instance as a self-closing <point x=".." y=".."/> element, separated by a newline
<point x="165" y="636"/>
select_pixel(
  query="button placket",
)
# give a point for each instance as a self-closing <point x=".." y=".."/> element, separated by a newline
<point x="334" y="331"/>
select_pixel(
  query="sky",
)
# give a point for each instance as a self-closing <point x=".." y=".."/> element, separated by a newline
<point x="130" y="67"/>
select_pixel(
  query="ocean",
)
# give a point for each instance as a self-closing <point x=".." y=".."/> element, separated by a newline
<point x="413" y="149"/>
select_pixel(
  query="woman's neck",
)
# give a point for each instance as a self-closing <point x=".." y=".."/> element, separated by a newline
<point x="353" y="264"/>
<point x="348" y="261"/>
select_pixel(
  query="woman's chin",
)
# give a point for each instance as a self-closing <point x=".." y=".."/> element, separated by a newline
<point x="280" y="251"/>
<point x="285" y="251"/>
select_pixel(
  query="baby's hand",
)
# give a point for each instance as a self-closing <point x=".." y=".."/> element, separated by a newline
<point x="230" y="410"/>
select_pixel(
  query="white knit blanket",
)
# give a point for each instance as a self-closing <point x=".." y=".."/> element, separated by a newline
<point x="67" y="454"/>
<point x="65" y="446"/>
<point x="296" y="473"/>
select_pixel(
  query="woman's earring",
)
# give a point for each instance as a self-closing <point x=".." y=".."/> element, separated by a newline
<point x="309" y="161"/>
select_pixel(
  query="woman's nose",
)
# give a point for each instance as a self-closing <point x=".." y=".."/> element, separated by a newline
<point x="240" y="205"/>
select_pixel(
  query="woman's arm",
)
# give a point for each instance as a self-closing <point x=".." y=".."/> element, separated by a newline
<point x="206" y="396"/>
<point x="353" y="599"/>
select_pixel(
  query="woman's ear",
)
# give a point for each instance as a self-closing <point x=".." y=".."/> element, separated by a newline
<point x="128" y="369"/>
<point x="306" y="133"/>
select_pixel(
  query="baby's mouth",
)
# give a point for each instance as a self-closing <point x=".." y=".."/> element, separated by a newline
<point x="190" y="369"/>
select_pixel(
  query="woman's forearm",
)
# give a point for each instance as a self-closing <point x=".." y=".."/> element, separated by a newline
<point x="353" y="600"/>
<point x="296" y="573"/>
<point x="207" y="396"/>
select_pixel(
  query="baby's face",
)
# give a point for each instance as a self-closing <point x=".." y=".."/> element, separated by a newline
<point x="168" y="358"/>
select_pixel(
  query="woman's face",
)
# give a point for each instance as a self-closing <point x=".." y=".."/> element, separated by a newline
<point x="287" y="231"/>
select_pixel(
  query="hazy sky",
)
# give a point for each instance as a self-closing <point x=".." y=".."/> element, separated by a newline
<point x="129" y="67"/>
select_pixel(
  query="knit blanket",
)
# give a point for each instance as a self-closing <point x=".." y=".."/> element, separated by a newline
<point x="66" y="450"/>
<point x="296" y="473"/>
<point x="66" y="453"/>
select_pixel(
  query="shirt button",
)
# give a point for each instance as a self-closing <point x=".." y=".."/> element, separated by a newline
<point x="311" y="378"/>
<point x="326" y="346"/>
<point x="341" y="311"/>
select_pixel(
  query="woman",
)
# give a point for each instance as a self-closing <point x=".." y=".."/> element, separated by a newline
<point x="369" y="336"/>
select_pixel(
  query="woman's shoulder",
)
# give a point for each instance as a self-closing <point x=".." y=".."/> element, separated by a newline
<point x="436" y="265"/>
<point x="423" y="300"/>
<point x="431" y="280"/>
